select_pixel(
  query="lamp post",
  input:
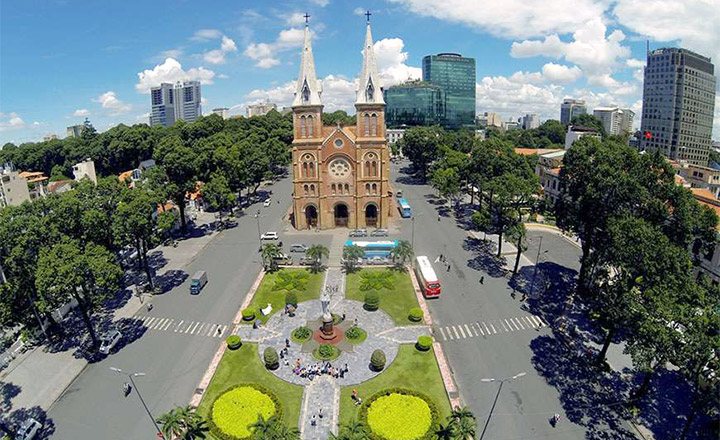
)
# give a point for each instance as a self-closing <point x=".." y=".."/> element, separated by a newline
<point x="502" y="382"/>
<point x="412" y="239"/>
<point x="137" y="390"/>
<point x="257" y="219"/>
<point x="537" y="262"/>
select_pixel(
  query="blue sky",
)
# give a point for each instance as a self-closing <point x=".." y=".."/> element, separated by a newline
<point x="63" y="60"/>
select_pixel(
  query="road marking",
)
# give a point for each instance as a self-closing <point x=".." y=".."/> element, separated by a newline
<point x="442" y="333"/>
<point x="449" y="333"/>
<point x="473" y="328"/>
<point x="150" y="321"/>
<point x="493" y="329"/>
<point x="519" y="323"/>
<point x="461" y="331"/>
<point x="162" y="322"/>
<point x="193" y="330"/>
<point x="222" y="332"/>
<point x="508" y="324"/>
<point x="168" y="324"/>
<point x="528" y="322"/>
<point x="486" y="328"/>
<point x="200" y="329"/>
<point x="513" y="324"/>
<point x="188" y="327"/>
<point x="503" y="325"/>
<point x="456" y="332"/>
<point x="210" y="329"/>
<point x="480" y="328"/>
<point x="178" y="326"/>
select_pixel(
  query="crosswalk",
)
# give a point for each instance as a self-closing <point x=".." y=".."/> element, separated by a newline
<point x="488" y="328"/>
<point x="184" y="326"/>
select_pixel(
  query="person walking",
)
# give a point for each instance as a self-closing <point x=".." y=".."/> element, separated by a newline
<point x="482" y="280"/>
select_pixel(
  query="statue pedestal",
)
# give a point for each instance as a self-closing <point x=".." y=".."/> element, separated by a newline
<point x="327" y="331"/>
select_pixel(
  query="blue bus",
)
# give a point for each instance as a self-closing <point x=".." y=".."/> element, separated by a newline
<point x="374" y="248"/>
<point x="404" y="208"/>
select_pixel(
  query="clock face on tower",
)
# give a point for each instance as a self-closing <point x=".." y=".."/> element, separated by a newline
<point x="339" y="168"/>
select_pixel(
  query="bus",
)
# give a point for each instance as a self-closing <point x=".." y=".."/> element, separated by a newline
<point x="374" y="248"/>
<point x="404" y="208"/>
<point x="429" y="282"/>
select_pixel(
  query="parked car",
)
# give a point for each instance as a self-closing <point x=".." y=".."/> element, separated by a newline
<point x="306" y="261"/>
<point x="399" y="194"/>
<point x="109" y="341"/>
<point x="358" y="233"/>
<point x="298" y="247"/>
<point x="28" y="429"/>
<point x="231" y="223"/>
<point x="377" y="261"/>
<point x="269" y="236"/>
<point x="283" y="259"/>
<point x="266" y="203"/>
<point x="379" y="233"/>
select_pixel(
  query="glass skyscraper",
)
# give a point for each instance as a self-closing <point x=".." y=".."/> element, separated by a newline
<point x="414" y="103"/>
<point x="455" y="75"/>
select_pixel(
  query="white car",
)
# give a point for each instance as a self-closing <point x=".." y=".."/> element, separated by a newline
<point x="28" y="430"/>
<point x="266" y="203"/>
<point x="109" y="341"/>
<point x="269" y="236"/>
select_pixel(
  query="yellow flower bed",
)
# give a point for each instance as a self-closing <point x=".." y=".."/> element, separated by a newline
<point x="238" y="408"/>
<point x="399" y="417"/>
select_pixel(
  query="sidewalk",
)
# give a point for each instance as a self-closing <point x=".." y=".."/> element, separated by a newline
<point x="38" y="377"/>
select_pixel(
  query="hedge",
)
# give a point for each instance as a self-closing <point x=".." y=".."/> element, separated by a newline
<point x="233" y="342"/>
<point x="301" y="334"/>
<point x="434" y="413"/>
<point x="377" y="360"/>
<point x="416" y="314"/>
<point x="424" y="343"/>
<point x="372" y="301"/>
<point x="219" y="433"/>
<point x="248" y="314"/>
<point x="270" y="356"/>
<point x="291" y="298"/>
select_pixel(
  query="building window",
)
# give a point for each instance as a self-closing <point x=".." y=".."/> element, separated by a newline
<point x="311" y="128"/>
<point x="305" y="169"/>
<point x="367" y="189"/>
<point x="374" y="188"/>
<point x="373" y="125"/>
<point x="305" y="189"/>
<point x="374" y="168"/>
<point x="366" y="123"/>
<point x="347" y="188"/>
<point x="312" y="190"/>
<point x="333" y="189"/>
<point x="303" y="131"/>
<point x="312" y="169"/>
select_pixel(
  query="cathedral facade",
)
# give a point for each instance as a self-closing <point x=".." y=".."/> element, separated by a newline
<point x="340" y="174"/>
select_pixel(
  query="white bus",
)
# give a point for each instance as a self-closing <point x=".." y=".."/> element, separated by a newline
<point x="429" y="282"/>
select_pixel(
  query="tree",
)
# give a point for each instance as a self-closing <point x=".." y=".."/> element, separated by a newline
<point x="420" y="145"/>
<point x="317" y="252"/>
<point x="58" y="173"/>
<point x="517" y="234"/>
<point x="462" y="423"/>
<point x="270" y="253"/>
<point x="177" y="161"/>
<point x="89" y="275"/>
<point x="553" y="130"/>
<point x="513" y="194"/>
<point x="588" y="120"/>
<point x="402" y="252"/>
<point x="183" y="423"/>
<point x="447" y="182"/>
<point x="217" y="193"/>
<point x="273" y="429"/>
<point x="352" y="430"/>
<point x="351" y="256"/>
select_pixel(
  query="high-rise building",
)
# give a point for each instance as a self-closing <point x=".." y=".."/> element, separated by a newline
<point x="221" y="111"/>
<point x="678" y="105"/>
<point x="180" y="102"/>
<point x="455" y="75"/>
<point x="571" y="108"/>
<point x="626" y="120"/>
<point x="414" y="103"/>
<point x="530" y="121"/>
<point x="615" y="120"/>
<point x="74" y="131"/>
<point x="490" y="119"/>
<point x="50" y="137"/>
<point x="260" y="109"/>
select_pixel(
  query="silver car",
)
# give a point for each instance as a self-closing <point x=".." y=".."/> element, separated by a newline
<point x="109" y="341"/>
<point x="298" y="247"/>
<point x="28" y="430"/>
<point x="358" y="233"/>
<point x="379" y="233"/>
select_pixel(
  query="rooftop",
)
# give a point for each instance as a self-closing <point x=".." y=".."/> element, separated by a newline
<point x="538" y="151"/>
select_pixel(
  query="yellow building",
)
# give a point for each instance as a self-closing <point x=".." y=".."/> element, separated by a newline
<point x="340" y="174"/>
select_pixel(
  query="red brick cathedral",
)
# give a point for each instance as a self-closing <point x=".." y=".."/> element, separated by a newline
<point x="340" y="174"/>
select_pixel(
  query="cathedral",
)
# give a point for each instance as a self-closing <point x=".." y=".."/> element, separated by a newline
<point x="340" y="174"/>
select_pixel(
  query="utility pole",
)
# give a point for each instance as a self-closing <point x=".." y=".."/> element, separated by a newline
<point x="502" y="382"/>
<point x="257" y="219"/>
<point x="137" y="390"/>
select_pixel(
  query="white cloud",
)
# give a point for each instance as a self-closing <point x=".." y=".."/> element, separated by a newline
<point x="391" y="62"/>
<point x="222" y="76"/>
<point x="359" y="11"/>
<point x="511" y="18"/>
<point x="112" y="104"/>
<point x="614" y="86"/>
<point x="228" y="45"/>
<point x="321" y="3"/>
<point x="81" y="112"/>
<point x="171" y="71"/>
<point x="338" y="94"/>
<point x="11" y="121"/>
<point x="500" y="94"/>
<point x="526" y="77"/>
<point x="266" y="55"/>
<point x="206" y="34"/>
<point x="296" y="19"/>
<point x="634" y="63"/>
<point x="217" y="56"/>
<point x="170" y="53"/>
<point x="267" y="63"/>
<point x="560" y="73"/>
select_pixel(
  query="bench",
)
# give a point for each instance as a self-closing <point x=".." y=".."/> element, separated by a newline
<point x="267" y="310"/>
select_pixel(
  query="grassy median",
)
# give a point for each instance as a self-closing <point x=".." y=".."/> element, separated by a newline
<point x="395" y="302"/>
<point x="269" y="292"/>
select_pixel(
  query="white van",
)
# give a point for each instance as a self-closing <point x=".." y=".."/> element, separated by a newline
<point x="198" y="282"/>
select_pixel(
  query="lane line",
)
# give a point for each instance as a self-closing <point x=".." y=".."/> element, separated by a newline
<point x="461" y="331"/>
<point x="456" y="332"/>
<point x="442" y="333"/>
<point x="188" y="327"/>
<point x="486" y="328"/>
<point x="480" y="328"/>
<point x="506" y="322"/>
<point x="493" y="328"/>
<point x="179" y="325"/>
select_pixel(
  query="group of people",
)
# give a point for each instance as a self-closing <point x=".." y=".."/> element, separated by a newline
<point x="318" y="369"/>
<point x="332" y="289"/>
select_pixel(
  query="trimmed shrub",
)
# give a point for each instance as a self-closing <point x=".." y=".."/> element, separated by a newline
<point x="377" y="360"/>
<point x="424" y="343"/>
<point x="233" y="342"/>
<point x="416" y="314"/>
<point x="372" y="301"/>
<point x="388" y="416"/>
<point x="301" y="334"/>
<point x="234" y="410"/>
<point x="355" y="335"/>
<point x="248" y="314"/>
<point x="270" y="356"/>
<point x="326" y="352"/>
<point x="291" y="298"/>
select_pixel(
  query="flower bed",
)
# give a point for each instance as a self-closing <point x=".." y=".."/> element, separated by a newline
<point x="400" y="414"/>
<point x="236" y="409"/>
<point x="326" y="352"/>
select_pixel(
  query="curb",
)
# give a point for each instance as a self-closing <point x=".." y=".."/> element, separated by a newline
<point x="427" y="318"/>
<point x="210" y="372"/>
<point x="555" y="230"/>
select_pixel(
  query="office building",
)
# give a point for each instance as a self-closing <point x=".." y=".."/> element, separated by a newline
<point x="414" y="103"/>
<point x="13" y="188"/>
<point x="571" y="108"/>
<point x="575" y="132"/>
<point x="260" y="109"/>
<point x="530" y="121"/>
<point x="615" y="120"/>
<point x="85" y="169"/>
<point x="678" y="105"/>
<point x="511" y="125"/>
<point x="74" y="131"/>
<point x="180" y="102"/>
<point x="490" y="119"/>
<point x="50" y="137"/>
<point x="221" y="111"/>
<point x="393" y="135"/>
<point x="455" y="75"/>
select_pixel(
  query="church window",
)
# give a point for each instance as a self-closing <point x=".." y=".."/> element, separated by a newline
<point x="373" y="125"/>
<point x="333" y="189"/>
<point x="303" y="132"/>
<point x="305" y="189"/>
<point x="374" y="188"/>
<point x="367" y="188"/>
<point x="304" y="169"/>
<point x="311" y="126"/>
<point x="347" y="189"/>
<point x="339" y="168"/>
<point x="374" y="169"/>
<point x="366" y="123"/>
<point x="370" y="91"/>
<point x="312" y="170"/>
<point x="306" y="93"/>
<point x="312" y="190"/>
<point x="367" y="168"/>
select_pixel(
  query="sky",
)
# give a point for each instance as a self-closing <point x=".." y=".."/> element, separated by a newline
<point x="64" y="60"/>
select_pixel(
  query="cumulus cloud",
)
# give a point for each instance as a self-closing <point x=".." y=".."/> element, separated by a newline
<point x="217" y="56"/>
<point x="171" y="71"/>
<point x="321" y="3"/>
<point x="266" y="55"/>
<point x="112" y="104"/>
<point x="206" y="34"/>
<point x="500" y="94"/>
<point x="11" y="121"/>
<point x="526" y="77"/>
<point x="391" y="62"/>
<point x="560" y="73"/>
<point x="634" y="63"/>
<point x="338" y="94"/>
<point x="81" y="112"/>
<point x="295" y="19"/>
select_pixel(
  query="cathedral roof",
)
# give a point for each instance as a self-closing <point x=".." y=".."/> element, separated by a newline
<point x="348" y="131"/>
<point x="308" y="89"/>
<point x="370" y="86"/>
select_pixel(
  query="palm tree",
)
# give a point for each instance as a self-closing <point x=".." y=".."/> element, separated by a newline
<point x="172" y="423"/>
<point x="283" y="432"/>
<point x="445" y="432"/>
<point x="183" y="423"/>
<point x="462" y="422"/>
<point x="317" y="252"/>
<point x="270" y="252"/>
<point x="264" y="429"/>
<point x="353" y="430"/>
<point x="351" y="255"/>
<point x="402" y="252"/>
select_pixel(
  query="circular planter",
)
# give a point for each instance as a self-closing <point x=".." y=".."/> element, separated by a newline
<point x="400" y="414"/>
<point x="234" y="410"/>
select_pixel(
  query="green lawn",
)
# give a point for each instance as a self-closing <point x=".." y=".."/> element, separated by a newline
<point x="412" y="369"/>
<point x="244" y="366"/>
<point x="265" y="293"/>
<point x="396" y="303"/>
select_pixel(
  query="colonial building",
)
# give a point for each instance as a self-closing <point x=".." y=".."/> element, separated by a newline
<point x="340" y="174"/>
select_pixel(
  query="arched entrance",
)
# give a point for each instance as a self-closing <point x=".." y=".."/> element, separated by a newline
<point x="371" y="215"/>
<point x="311" y="216"/>
<point x="341" y="215"/>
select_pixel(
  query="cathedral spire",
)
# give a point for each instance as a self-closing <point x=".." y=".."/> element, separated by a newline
<point x="370" y="87"/>
<point x="308" y="88"/>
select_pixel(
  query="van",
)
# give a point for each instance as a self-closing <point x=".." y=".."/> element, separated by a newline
<point x="399" y="194"/>
<point x="198" y="282"/>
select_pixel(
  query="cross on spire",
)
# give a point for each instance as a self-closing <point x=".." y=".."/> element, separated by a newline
<point x="307" y="18"/>
<point x="368" y="14"/>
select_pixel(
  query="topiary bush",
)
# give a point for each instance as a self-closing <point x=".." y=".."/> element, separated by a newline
<point x="291" y="298"/>
<point x="270" y="356"/>
<point x="326" y="352"/>
<point x="355" y="335"/>
<point x="301" y="334"/>
<point x="248" y="314"/>
<point x="416" y="314"/>
<point x="233" y="342"/>
<point x="424" y="343"/>
<point x="233" y="411"/>
<point x="398" y="413"/>
<point x="372" y="301"/>
<point x="377" y="360"/>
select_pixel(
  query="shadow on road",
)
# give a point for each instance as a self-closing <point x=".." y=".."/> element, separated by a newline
<point x="8" y="391"/>
<point x="14" y="420"/>
<point x="484" y="259"/>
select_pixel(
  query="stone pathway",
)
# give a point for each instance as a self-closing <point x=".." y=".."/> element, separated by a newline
<point x="336" y="249"/>
<point x="322" y="397"/>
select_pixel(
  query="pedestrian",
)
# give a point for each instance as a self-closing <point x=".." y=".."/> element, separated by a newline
<point x="482" y="280"/>
<point x="356" y="321"/>
<point x="320" y="414"/>
<point x="287" y="343"/>
<point x="448" y="267"/>
<point x="219" y="331"/>
<point x="149" y="307"/>
<point x="343" y="316"/>
<point x="442" y="257"/>
<point x="524" y="297"/>
<point x="313" y="422"/>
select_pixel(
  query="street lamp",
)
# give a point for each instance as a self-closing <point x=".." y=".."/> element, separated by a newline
<point x="257" y="219"/>
<point x="502" y="381"/>
<point x="537" y="262"/>
<point x="137" y="390"/>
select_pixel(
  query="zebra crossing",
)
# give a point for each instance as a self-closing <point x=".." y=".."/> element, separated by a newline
<point x="184" y="326"/>
<point x="488" y="328"/>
